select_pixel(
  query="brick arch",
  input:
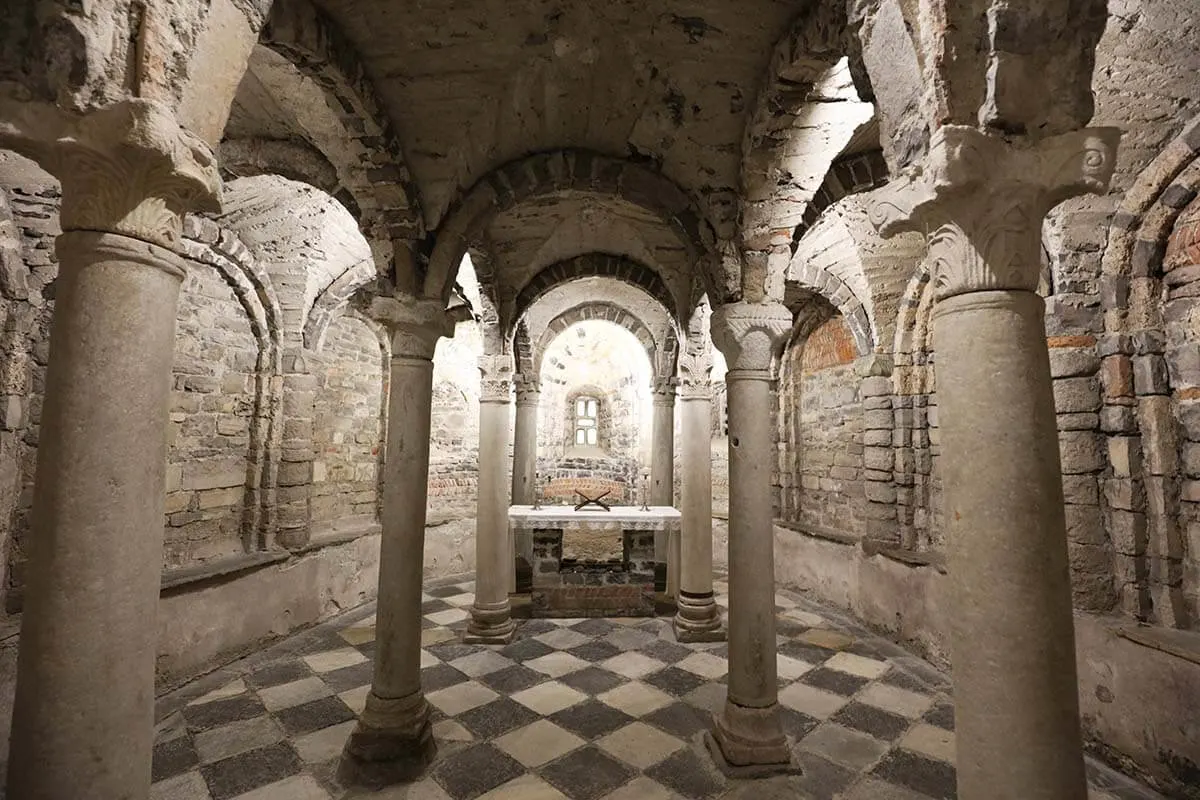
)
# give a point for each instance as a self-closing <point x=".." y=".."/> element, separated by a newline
<point x="369" y="161"/>
<point x="545" y="174"/>
<point x="848" y="175"/>
<point x="598" y="265"/>
<point x="597" y="310"/>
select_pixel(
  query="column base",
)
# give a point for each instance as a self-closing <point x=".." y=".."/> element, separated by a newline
<point x="698" y="619"/>
<point x="490" y="624"/>
<point x="749" y="742"/>
<point x="392" y="743"/>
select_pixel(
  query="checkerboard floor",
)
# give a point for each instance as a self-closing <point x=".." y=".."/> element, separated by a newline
<point x="597" y="709"/>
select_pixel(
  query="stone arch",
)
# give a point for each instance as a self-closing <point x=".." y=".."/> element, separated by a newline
<point x="307" y="242"/>
<point x="369" y="161"/>
<point x="333" y="299"/>
<point x="546" y="174"/>
<point x="595" y="310"/>
<point x="594" y="265"/>
<point x="1150" y="293"/>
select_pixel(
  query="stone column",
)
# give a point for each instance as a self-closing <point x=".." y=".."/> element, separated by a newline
<point x="525" y="439"/>
<point x="698" y="618"/>
<point x="393" y="741"/>
<point x="491" y="616"/>
<point x="524" y="470"/>
<point x="748" y="733"/>
<point x="662" y="471"/>
<point x="295" y="473"/>
<point x="982" y="200"/>
<point x="84" y="708"/>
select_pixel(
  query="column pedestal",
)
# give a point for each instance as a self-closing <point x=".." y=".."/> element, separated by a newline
<point x="491" y="615"/>
<point x="698" y="618"/>
<point x="1011" y="636"/>
<point x="747" y="738"/>
<point x="393" y="741"/>
<point x="84" y="708"/>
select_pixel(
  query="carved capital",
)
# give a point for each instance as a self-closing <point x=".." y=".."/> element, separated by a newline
<point x="128" y="168"/>
<point x="695" y="375"/>
<point x="495" y="379"/>
<point x="981" y="199"/>
<point x="528" y="389"/>
<point x="749" y="334"/>
<point x="415" y="324"/>
<point x="663" y="389"/>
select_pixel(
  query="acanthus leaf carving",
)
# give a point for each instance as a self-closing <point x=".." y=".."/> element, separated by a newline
<point x="750" y="334"/>
<point x="981" y="198"/>
<point x="129" y="168"/>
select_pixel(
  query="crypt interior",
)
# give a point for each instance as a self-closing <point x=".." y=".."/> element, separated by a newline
<point x="864" y="335"/>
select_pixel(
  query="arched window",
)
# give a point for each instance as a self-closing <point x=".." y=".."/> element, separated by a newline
<point x="587" y="416"/>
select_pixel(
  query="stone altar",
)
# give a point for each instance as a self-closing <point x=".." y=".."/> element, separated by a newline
<point x="620" y="585"/>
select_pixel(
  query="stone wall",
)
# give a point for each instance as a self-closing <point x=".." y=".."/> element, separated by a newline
<point x="454" y="443"/>
<point x="28" y="266"/>
<point x="820" y="432"/>
<point x="212" y="409"/>
<point x="347" y="426"/>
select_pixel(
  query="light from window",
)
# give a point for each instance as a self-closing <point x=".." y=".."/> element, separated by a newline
<point x="587" y="411"/>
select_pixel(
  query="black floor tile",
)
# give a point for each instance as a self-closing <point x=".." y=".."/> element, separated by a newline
<point x="674" y="681"/>
<point x="821" y="778"/>
<point x="904" y="680"/>
<point x="496" y="718"/>
<point x="351" y="677"/>
<point x="587" y="774"/>
<point x="679" y="719"/>
<point x="688" y="775"/>
<point x="934" y="778"/>
<point x="452" y="650"/>
<point x="832" y="680"/>
<point x="595" y="627"/>
<point x="806" y="652"/>
<point x="440" y="676"/>
<point x="314" y="716"/>
<point x="511" y="680"/>
<point x="525" y="650"/>
<point x="593" y="680"/>
<point x="875" y="721"/>
<point x="278" y="673"/>
<point x="433" y="606"/>
<point x="250" y="770"/>
<point x="536" y="627"/>
<point x="173" y="757"/>
<point x="476" y="770"/>
<point x="591" y="719"/>
<point x="595" y="651"/>
<point x="666" y="652"/>
<point x="796" y="724"/>
<point x="222" y="712"/>
<point x="446" y="591"/>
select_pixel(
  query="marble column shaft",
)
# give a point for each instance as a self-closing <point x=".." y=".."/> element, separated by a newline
<point x="698" y="618"/>
<point x="393" y="740"/>
<point x="982" y="200"/>
<point x="748" y="731"/>
<point x="83" y="715"/>
<point x="491" y="616"/>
